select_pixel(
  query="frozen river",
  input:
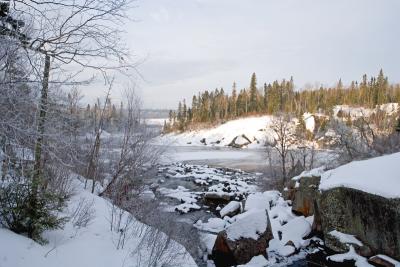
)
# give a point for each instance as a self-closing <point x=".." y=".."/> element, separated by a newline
<point x="250" y="160"/>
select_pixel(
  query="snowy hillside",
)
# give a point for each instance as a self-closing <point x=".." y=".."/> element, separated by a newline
<point x="94" y="245"/>
<point x="254" y="128"/>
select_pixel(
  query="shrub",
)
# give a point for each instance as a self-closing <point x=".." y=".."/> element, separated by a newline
<point x="26" y="212"/>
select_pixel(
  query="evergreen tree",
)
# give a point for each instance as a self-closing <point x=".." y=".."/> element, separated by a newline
<point x="265" y="98"/>
<point x="253" y="107"/>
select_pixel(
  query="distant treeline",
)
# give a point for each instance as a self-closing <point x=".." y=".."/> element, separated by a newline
<point x="279" y="96"/>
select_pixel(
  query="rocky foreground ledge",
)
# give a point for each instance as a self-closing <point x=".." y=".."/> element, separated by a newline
<point x="349" y="216"/>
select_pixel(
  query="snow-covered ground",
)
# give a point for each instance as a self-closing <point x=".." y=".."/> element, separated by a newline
<point x="254" y="128"/>
<point x="257" y="130"/>
<point x="94" y="245"/>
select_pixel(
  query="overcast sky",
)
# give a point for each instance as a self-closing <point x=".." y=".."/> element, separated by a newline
<point x="192" y="45"/>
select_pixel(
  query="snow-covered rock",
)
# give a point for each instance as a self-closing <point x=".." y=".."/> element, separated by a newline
<point x="350" y="255"/>
<point x="378" y="176"/>
<point x="231" y="209"/>
<point x="309" y="121"/>
<point x="250" y="224"/>
<point x="261" y="200"/>
<point x="345" y="238"/>
<point x="357" y="112"/>
<point x="246" y="237"/>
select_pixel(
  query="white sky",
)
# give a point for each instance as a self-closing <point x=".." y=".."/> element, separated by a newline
<point x="192" y="45"/>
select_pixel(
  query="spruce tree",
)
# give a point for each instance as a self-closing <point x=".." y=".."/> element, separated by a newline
<point x="253" y="94"/>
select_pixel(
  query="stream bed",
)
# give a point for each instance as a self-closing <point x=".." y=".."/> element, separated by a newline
<point x="180" y="185"/>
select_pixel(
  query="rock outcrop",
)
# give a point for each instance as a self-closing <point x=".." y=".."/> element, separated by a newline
<point x="373" y="219"/>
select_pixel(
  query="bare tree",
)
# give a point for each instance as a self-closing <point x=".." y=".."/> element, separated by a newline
<point x="134" y="148"/>
<point x="53" y="36"/>
<point x="283" y="139"/>
<point x="82" y="33"/>
<point x="95" y="150"/>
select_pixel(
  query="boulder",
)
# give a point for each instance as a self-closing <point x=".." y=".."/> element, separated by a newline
<point x="216" y="198"/>
<point x="240" y="141"/>
<point x="304" y="195"/>
<point x="244" y="239"/>
<point x="231" y="209"/>
<point x="373" y="219"/>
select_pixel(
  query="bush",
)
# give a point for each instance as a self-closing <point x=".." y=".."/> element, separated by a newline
<point x="25" y="212"/>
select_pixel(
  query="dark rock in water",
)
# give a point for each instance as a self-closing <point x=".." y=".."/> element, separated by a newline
<point x="228" y="252"/>
<point x="215" y="199"/>
<point x="319" y="259"/>
<point x="373" y="219"/>
<point x="203" y="141"/>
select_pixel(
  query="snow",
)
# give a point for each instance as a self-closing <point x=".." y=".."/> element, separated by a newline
<point x="309" y="121"/>
<point x="250" y="224"/>
<point x="310" y="173"/>
<point x="295" y="230"/>
<point x="354" y="112"/>
<point x="389" y="108"/>
<point x="257" y="261"/>
<point x="147" y="195"/>
<point x="254" y="128"/>
<point x="214" y="225"/>
<point x="357" y="112"/>
<point x="350" y="255"/>
<point x="208" y="241"/>
<point x="345" y="238"/>
<point x="187" y="207"/>
<point x="230" y="207"/>
<point x="90" y="246"/>
<point x="180" y="193"/>
<point x="379" y="176"/>
<point x="261" y="200"/>
<point x="388" y="259"/>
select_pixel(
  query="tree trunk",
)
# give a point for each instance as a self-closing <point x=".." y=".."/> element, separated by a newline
<point x="91" y="170"/>
<point x="38" y="168"/>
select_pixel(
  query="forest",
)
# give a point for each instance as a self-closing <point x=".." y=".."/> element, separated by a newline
<point x="214" y="107"/>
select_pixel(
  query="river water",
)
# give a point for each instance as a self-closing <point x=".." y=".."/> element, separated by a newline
<point x="253" y="161"/>
<point x="250" y="160"/>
